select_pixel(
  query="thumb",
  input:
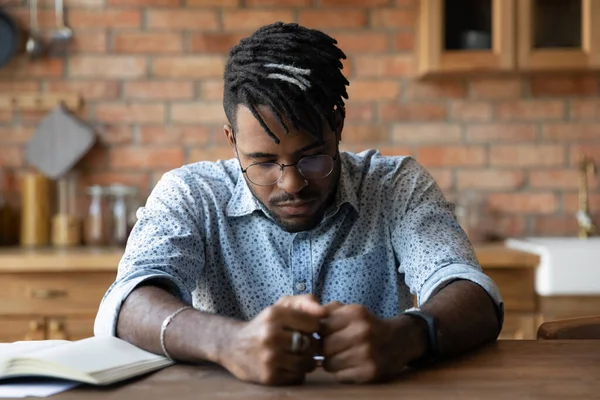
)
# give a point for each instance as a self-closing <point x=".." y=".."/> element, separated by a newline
<point x="307" y="303"/>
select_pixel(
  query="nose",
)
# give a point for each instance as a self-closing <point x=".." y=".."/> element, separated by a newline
<point x="292" y="180"/>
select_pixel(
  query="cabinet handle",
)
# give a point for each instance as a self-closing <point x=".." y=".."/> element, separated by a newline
<point x="48" y="293"/>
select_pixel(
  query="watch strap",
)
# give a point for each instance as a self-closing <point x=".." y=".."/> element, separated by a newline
<point x="433" y="351"/>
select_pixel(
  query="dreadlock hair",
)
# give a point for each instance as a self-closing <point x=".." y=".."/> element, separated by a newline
<point x="294" y="71"/>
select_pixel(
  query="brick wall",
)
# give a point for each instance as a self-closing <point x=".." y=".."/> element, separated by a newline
<point x="150" y="72"/>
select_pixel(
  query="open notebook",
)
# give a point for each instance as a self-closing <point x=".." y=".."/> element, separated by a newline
<point x="98" y="360"/>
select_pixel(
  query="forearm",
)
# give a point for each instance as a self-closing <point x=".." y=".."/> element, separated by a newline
<point x="466" y="315"/>
<point x="192" y="336"/>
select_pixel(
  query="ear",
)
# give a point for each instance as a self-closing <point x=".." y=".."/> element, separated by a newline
<point x="229" y="134"/>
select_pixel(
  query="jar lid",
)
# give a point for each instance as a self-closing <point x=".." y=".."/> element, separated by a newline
<point x="96" y="190"/>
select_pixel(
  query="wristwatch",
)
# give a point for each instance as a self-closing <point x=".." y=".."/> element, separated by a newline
<point x="433" y="350"/>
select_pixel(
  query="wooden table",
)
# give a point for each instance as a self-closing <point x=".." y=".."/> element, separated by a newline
<point x="504" y="370"/>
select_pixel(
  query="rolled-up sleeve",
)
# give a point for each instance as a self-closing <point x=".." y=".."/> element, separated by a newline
<point x="165" y="245"/>
<point x="432" y="248"/>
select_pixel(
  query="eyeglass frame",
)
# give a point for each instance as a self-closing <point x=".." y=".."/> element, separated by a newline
<point x="283" y="166"/>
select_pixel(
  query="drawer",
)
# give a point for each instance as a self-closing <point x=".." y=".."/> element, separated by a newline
<point x="16" y="329"/>
<point x="516" y="287"/>
<point x="49" y="294"/>
<point x="71" y="328"/>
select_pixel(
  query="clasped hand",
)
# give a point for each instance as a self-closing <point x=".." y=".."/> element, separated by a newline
<point x="357" y="346"/>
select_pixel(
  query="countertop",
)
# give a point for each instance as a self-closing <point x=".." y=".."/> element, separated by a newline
<point x="14" y="259"/>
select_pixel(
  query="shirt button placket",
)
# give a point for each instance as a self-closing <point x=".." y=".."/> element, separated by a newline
<point x="301" y="264"/>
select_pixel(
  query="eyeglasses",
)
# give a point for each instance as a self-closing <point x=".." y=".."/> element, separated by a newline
<point x="312" y="167"/>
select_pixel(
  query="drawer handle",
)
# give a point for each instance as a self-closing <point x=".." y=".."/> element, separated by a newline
<point x="48" y="293"/>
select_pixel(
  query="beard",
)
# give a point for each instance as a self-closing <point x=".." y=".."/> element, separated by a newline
<point x="305" y="222"/>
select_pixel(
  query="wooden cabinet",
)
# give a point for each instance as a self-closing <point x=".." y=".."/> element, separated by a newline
<point x="460" y="36"/>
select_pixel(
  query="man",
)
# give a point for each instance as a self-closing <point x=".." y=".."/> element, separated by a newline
<point x="293" y="248"/>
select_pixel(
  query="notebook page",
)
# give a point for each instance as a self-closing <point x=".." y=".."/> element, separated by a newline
<point x="97" y="354"/>
<point x="21" y="348"/>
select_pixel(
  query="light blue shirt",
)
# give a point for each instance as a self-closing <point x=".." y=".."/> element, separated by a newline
<point x="389" y="235"/>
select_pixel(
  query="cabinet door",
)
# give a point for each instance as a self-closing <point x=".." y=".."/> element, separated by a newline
<point x="16" y="329"/>
<point x="519" y="326"/>
<point x="71" y="328"/>
<point x="457" y="36"/>
<point x="558" y="34"/>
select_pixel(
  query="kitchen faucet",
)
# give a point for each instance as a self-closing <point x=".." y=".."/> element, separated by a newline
<point x="586" y="168"/>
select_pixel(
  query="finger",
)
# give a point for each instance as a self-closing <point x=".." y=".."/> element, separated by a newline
<point x="284" y="377"/>
<point x="337" y="343"/>
<point x="336" y="321"/>
<point x="306" y="302"/>
<point x="294" y="320"/>
<point x="297" y="363"/>
<point x="350" y="375"/>
<point x="341" y="361"/>
<point x="284" y="341"/>
<point x="332" y="306"/>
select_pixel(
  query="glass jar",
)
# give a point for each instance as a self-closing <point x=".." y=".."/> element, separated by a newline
<point x="96" y="221"/>
<point x="120" y="197"/>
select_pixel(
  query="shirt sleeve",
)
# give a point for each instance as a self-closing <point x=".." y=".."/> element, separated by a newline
<point x="165" y="245"/>
<point x="432" y="248"/>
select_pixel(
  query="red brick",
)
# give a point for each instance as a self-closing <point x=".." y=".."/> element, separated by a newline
<point x="182" y="19"/>
<point x="585" y="109"/>
<point x="22" y="68"/>
<point x="354" y="133"/>
<point x="253" y="19"/>
<point x="502" y="226"/>
<point x="553" y="225"/>
<point x="212" y="3"/>
<point x="136" y="179"/>
<point x="279" y="3"/>
<point x="43" y="4"/>
<point x="532" y="203"/>
<point x="564" y="86"/>
<point x="89" y="42"/>
<point x="130" y="112"/>
<point x="133" y="157"/>
<point x="95" y="159"/>
<point x="19" y="86"/>
<point x="104" y="18"/>
<point x="513" y="132"/>
<point x="215" y="42"/>
<point x="404" y="41"/>
<point x="571" y="131"/>
<point x="115" y="134"/>
<point x="363" y="112"/>
<point x="496" y="88"/>
<point x="11" y="156"/>
<point x="89" y="90"/>
<point x="334" y="19"/>
<point x="571" y="202"/>
<point x="145" y="3"/>
<point x="175" y="134"/>
<point x="46" y="18"/>
<point x="490" y="179"/>
<point x="188" y="67"/>
<point x="591" y="151"/>
<point x="354" y="3"/>
<point x="419" y="111"/>
<point x="198" y="113"/>
<point x="449" y="156"/>
<point x="554" y="179"/>
<point x="471" y="111"/>
<point x="362" y="42"/>
<point x="6" y="116"/>
<point x="384" y="65"/>
<point x="427" y="133"/>
<point x="111" y="67"/>
<point x="211" y="89"/>
<point x="531" y="110"/>
<point x="17" y="134"/>
<point x="148" y="43"/>
<point x="212" y="153"/>
<point x="368" y="90"/>
<point x="393" y="18"/>
<point x="394" y="150"/>
<point x="159" y="90"/>
<point x="526" y="155"/>
<point x="443" y="177"/>
<point x="423" y="90"/>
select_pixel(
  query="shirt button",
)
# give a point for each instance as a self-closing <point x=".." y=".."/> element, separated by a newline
<point x="301" y="286"/>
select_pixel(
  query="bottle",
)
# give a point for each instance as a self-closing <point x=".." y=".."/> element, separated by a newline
<point x="95" y="232"/>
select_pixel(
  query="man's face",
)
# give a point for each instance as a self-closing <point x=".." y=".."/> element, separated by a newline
<point x="296" y="203"/>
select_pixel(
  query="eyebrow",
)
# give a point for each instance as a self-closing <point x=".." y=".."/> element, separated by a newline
<point x="259" y="154"/>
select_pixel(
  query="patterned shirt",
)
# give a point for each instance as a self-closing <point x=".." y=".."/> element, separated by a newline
<point x="389" y="235"/>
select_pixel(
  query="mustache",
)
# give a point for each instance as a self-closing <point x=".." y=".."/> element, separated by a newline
<point x="293" y="198"/>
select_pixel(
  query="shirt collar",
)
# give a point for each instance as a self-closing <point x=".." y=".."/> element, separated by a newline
<point x="243" y="202"/>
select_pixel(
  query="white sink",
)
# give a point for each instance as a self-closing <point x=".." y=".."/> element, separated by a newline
<point x="568" y="266"/>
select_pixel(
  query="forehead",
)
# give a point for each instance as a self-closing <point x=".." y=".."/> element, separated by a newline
<point x="250" y="134"/>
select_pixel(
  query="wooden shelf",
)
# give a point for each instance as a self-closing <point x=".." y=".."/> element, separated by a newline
<point x="39" y="101"/>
